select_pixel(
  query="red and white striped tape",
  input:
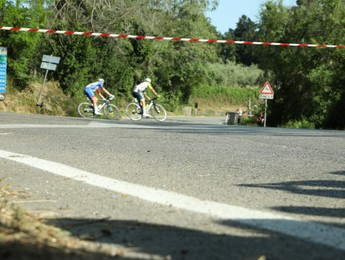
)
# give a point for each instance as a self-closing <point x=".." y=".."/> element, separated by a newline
<point x="161" y="38"/>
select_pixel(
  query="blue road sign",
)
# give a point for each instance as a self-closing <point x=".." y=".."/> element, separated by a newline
<point x="3" y="65"/>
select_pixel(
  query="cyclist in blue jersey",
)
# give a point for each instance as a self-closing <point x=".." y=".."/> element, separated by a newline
<point x="139" y="92"/>
<point x="96" y="87"/>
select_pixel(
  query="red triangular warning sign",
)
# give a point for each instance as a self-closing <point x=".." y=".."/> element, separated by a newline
<point x="267" y="89"/>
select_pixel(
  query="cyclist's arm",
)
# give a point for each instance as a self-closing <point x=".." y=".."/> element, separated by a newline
<point x="106" y="91"/>
<point x="152" y="89"/>
<point x="146" y="96"/>
<point x="154" y="92"/>
<point x="99" y="93"/>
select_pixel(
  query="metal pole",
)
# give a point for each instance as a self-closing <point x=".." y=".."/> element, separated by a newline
<point x="265" y="112"/>
<point x="39" y="96"/>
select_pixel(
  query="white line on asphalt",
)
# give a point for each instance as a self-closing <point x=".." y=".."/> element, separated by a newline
<point x="310" y="231"/>
<point x="92" y="125"/>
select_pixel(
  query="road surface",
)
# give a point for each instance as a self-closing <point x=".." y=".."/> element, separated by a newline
<point x="187" y="188"/>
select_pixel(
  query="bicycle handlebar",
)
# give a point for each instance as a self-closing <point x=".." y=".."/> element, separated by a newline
<point x="154" y="98"/>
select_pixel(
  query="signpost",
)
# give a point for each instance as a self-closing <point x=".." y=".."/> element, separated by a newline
<point x="266" y="93"/>
<point x="3" y="66"/>
<point x="48" y="63"/>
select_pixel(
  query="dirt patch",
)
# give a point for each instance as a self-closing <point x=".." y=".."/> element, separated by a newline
<point x="53" y="99"/>
<point x="24" y="235"/>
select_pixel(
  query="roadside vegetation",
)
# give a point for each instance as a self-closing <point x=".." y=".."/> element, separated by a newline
<point x="213" y="100"/>
<point x="309" y="83"/>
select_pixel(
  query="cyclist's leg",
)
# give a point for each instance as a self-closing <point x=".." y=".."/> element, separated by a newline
<point x="94" y="100"/>
<point x="143" y="104"/>
<point x="141" y="100"/>
<point x="92" y="97"/>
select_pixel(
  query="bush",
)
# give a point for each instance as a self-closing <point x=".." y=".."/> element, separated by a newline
<point x="300" y="124"/>
<point x="233" y="95"/>
<point x="232" y="74"/>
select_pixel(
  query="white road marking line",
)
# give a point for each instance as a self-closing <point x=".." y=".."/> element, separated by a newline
<point x="310" y="231"/>
<point x="92" y="125"/>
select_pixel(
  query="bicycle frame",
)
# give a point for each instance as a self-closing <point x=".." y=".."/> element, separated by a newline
<point x="105" y="102"/>
<point x="109" y="110"/>
<point x="134" y="110"/>
<point x="150" y="104"/>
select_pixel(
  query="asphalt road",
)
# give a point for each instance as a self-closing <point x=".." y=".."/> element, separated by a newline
<point x="187" y="188"/>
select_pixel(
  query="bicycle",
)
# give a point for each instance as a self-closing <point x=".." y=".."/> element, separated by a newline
<point x="157" y="111"/>
<point x="110" y="111"/>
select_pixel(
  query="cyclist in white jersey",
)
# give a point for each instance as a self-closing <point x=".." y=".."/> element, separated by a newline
<point x="96" y="86"/>
<point x="139" y="94"/>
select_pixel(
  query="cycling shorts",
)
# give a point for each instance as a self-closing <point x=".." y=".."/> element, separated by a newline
<point x="88" y="92"/>
<point x="138" y="95"/>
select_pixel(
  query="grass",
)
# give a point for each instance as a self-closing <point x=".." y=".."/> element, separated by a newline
<point x="55" y="102"/>
<point x="212" y="101"/>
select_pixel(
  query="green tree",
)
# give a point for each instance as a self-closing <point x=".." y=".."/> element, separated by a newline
<point x="245" y="31"/>
<point x="227" y="52"/>
<point x="21" y="46"/>
<point x="308" y="82"/>
<point x="176" y="66"/>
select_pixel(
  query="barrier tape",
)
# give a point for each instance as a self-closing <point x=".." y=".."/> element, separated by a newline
<point x="161" y="38"/>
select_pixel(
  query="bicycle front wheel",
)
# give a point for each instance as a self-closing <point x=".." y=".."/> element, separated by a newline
<point x="158" y="112"/>
<point x="133" y="111"/>
<point x="111" y="112"/>
<point x="85" y="110"/>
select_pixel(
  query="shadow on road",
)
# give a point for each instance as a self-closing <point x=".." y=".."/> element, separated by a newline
<point x="171" y="242"/>
<point x="320" y="188"/>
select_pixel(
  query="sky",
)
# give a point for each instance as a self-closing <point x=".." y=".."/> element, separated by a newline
<point x="229" y="12"/>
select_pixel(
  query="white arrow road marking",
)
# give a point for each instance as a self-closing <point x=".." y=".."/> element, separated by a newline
<point x="310" y="231"/>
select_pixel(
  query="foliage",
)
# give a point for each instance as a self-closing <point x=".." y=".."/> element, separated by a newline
<point x="245" y="31"/>
<point x="234" y="95"/>
<point x="303" y="123"/>
<point x="233" y="74"/>
<point x="173" y="66"/>
<point x="309" y="83"/>
<point x="21" y="47"/>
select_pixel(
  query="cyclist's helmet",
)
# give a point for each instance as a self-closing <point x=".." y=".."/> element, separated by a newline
<point x="101" y="80"/>
<point x="148" y="80"/>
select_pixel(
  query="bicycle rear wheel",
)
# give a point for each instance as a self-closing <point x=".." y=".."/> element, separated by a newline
<point x="133" y="111"/>
<point x="85" y="110"/>
<point x="111" y="112"/>
<point x="158" y="112"/>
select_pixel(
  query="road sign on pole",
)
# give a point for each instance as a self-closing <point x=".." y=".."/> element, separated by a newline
<point x="49" y="62"/>
<point x="266" y="93"/>
<point x="51" y="59"/>
<point x="3" y="66"/>
<point x="48" y="66"/>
